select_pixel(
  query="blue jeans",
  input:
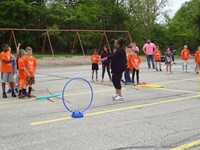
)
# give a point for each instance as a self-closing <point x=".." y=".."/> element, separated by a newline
<point x="127" y="75"/>
<point x="150" y="57"/>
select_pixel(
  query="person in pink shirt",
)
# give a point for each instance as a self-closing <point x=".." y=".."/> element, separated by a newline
<point x="148" y="49"/>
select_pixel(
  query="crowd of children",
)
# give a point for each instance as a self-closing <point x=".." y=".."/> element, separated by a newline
<point x="20" y="72"/>
<point x="134" y="61"/>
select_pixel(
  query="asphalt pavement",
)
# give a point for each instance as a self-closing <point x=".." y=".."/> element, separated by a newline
<point x="147" y="119"/>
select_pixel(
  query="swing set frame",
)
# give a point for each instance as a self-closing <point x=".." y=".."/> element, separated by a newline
<point x="77" y="34"/>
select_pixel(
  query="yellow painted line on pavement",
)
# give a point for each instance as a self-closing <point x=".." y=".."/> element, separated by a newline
<point x="175" y="81"/>
<point x="182" y="91"/>
<point x="81" y="93"/>
<point x="117" y="109"/>
<point x="187" y="146"/>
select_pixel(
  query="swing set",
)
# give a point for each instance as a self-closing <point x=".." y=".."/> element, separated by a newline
<point x="77" y="35"/>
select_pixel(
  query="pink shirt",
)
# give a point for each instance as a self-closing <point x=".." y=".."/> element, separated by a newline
<point x="149" y="48"/>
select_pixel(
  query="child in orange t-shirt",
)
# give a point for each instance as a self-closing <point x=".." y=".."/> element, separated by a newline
<point x="197" y="60"/>
<point x="23" y="74"/>
<point x="6" y="70"/>
<point x="30" y="64"/>
<point x="157" y="58"/>
<point x="129" y="55"/>
<point x="136" y="61"/>
<point x="185" y="54"/>
<point x="95" y="67"/>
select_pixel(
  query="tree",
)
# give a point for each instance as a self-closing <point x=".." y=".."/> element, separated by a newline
<point x="185" y="26"/>
<point x="146" y="12"/>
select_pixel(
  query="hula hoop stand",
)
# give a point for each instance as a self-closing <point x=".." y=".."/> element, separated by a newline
<point x="77" y="113"/>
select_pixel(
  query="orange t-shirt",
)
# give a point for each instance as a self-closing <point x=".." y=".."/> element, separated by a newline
<point x="6" y="67"/>
<point x="185" y="54"/>
<point x="136" y="61"/>
<point x="22" y="74"/>
<point x="95" y="58"/>
<point x="157" y="55"/>
<point x="129" y="63"/>
<point x="197" y="56"/>
<point x="30" y="64"/>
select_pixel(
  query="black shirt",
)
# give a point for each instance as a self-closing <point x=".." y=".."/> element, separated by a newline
<point x="119" y="61"/>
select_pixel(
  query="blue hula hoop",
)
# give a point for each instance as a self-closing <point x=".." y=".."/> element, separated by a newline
<point x="91" y="99"/>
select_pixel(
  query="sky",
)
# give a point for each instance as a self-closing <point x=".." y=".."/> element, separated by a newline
<point x="175" y="5"/>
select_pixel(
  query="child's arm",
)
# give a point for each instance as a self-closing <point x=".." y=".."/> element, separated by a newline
<point x="134" y="65"/>
<point x="18" y="47"/>
<point x="25" y="70"/>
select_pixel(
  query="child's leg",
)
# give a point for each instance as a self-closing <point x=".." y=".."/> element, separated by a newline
<point x="160" y="66"/>
<point x="92" y="74"/>
<point x="137" y="75"/>
<point x="108" y="71"/>
<point x="186" y="65"/>
<point x="3" y="87"/>
<point x="133" y="76"/>
<point x="103" y="71"/>
<point x="156" y="64"/>
<point x="22" y="88"/>
<point x="96" y="74"/>
<point x="183" y="65"/>
<point x="170" y="67"/>
<point x="166" y="67"/>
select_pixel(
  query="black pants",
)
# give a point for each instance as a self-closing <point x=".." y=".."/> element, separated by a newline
<point x="108" y="71"/>
<point x="116" y="79"/>
<point x="137" y="75"/>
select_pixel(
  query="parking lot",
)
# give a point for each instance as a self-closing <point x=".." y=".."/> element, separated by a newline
<point x="147" y="119"/>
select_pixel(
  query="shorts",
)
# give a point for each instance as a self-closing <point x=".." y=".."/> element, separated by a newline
<point x="7" y="77"/>
<point x="95" y="66"/>
<point x="168" y="63"/>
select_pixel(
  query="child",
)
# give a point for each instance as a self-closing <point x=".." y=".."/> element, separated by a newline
<point x="136" y="61"/>
<point x="30" y="64"/>
<point x="14" y="71"/>
<point x="23" y="73"/>
<point x="129" y="67"/>
<point x="185" y="53"/>
<point x="6" y="70"/>
<point x="197" y="60"/>
<point x="95" y="67"/>
<point x="168" y="60"/>
<point x="157" y="58"/>
<point x="105" y="64"/>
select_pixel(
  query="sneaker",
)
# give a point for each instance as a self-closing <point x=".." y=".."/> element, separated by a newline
<point x="28" y="95"/>
<point x="21" y="96"/>
<point x="16" y="90"/>
<point x="114" y="96"/>
<point x="123" y="81"/>
<point x="9" y="91"/>
<point x="13" y="94"/>
<point x="4" y="95"/>
<point x="118" y="98"/>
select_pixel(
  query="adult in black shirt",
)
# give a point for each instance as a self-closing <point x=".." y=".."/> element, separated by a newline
<point x="118" y="65"/>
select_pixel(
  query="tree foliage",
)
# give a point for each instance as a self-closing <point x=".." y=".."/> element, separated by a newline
<point x="185" y="26"/>
<point x="140" y="17"/>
